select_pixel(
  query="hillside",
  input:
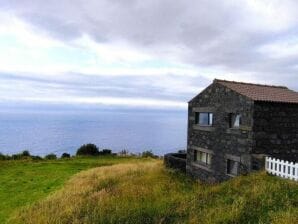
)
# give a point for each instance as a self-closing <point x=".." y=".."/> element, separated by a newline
<point x="146" y="192"/>
<point x="23" y="182"/>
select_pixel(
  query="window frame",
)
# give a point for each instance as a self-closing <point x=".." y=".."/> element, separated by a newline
<point x="210" y="117"/>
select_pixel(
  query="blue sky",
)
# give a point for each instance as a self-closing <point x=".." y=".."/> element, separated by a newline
<point x="139" y="53"/>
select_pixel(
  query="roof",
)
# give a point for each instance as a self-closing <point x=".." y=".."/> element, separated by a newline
<point x="258" y="92"/>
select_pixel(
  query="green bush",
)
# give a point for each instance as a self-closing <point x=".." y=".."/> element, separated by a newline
<point x="149" y="153"/>
<point x="105" y="152"/>
<point x="88" y="150"/>
<point x="51" y="156"/>
<point x="3" y="157"/>
<point x="65" y="155"/>
<point x="17" y="156"/>
<point x="25" y="153"/>
<point x="36" y="158"/>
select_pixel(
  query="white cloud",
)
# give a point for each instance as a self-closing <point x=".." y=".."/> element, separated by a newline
<point x="143" y="49"/>
<point x="281" y="48"/>
<point x="273" y="15"/>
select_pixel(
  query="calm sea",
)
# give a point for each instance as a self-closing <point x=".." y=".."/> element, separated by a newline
<point x="49" y="132"/>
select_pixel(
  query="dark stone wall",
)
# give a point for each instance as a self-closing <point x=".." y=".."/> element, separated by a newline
<point x="276" y="129"/>
<point x="219" y="138"/>
<point x="175" y="161"/>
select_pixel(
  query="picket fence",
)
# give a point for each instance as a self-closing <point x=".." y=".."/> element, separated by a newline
<point x="282" y="168"/>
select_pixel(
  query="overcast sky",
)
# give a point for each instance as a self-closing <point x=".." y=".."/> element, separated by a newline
<point x="141" y="53"/>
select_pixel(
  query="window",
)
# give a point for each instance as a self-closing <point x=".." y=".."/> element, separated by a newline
<point x="203" y="157"/>
<point x="204" y="119"/>
<point x="235" y="120"/>
<point x="232" y="167"/>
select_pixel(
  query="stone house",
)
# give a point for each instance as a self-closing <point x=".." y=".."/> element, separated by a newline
<point x="233" y="125"/>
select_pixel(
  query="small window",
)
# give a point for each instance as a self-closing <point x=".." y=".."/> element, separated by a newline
<point x="232" y="167"/>
<point x="203" y="157"/>
<point x="204" y="119"/>
<point x="235" y="120"/>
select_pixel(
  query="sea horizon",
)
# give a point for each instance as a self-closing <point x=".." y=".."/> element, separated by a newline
<point x="57" y="131"/>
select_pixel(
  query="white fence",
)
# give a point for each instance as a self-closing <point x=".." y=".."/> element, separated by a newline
<point x="281" y="168"/>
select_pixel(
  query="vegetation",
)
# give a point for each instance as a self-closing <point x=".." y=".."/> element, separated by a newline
<point x="3" y="157"/>
<point x="149" y="153"/>
<point x="88" y="150"/>
<point x="19" y="156"/>
<point x="105" y="152"/>
<point x="25" y="181"/>
<point x="146" y="192"/>
<point x="50" y="156"/>
<point x="65" y="155"/>
<point x="25" y="153"/>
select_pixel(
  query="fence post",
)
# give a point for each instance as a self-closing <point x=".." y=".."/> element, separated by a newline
<point x="296" y="171"/>
<point x="281" y="168"/>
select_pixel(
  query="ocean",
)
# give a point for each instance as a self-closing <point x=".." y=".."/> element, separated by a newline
<point x="57" y="132"/>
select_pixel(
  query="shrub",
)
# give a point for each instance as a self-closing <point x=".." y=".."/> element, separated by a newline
<point x="65" y="155"/>
<point x="16" y="156"/>
<point x="51" y="156"/>
<point x="36" y="158"/>
<point x="25" y="153"/>
<point x="3" y="157"/>
<point x="105" y="152"/>
<point x="88" y="150"/>
<point x="149" y="153"/>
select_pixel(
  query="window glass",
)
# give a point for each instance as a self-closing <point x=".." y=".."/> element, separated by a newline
<point x="237" y="121"/>
<point x="197" y="115"/>
<point x="210" y="118"/>
<point x="234" y="120"/>
<point x="203" y="157"/>
<point x="204" y="119"/>
<point x="232" y="167"/>
<point x="196" y="155"/>
<point x="209" y="156"/>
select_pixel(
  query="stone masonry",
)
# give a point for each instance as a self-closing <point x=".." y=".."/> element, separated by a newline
<point x="266" y="128"/>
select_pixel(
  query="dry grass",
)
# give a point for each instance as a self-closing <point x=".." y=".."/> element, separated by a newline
<point x="23" y="182"/>
<point x="145" y="192"/>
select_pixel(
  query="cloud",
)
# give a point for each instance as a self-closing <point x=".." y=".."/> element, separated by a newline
<point x="82" y="86"/>
<point x="155" y="49"/>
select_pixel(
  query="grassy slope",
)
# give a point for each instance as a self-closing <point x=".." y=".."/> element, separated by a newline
<point x="23" y="182"/>
<point x="148" y="193"/>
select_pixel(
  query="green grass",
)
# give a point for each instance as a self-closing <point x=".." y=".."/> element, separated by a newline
<point x="146" y="192"/>
<point x="24" y="182"/>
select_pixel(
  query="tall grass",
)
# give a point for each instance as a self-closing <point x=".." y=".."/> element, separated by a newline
<point x="145" y="192"/>
<point x="23" y="182"/>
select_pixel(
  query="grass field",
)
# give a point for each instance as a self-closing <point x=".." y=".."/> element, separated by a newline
<point x="146" y="192"/>
<point x="24" y="182"/>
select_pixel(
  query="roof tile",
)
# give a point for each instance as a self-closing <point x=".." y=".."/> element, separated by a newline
<point x="259" y="92"/>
